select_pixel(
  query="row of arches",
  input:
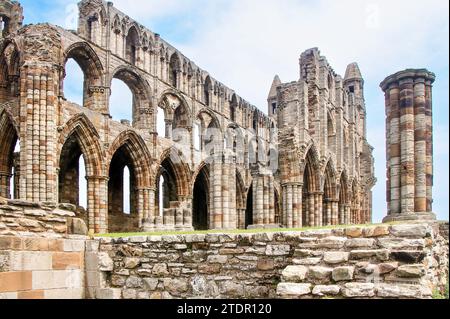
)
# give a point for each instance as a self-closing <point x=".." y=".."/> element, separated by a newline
<point x="126" y="165"/>
<point x="82" y="65"/>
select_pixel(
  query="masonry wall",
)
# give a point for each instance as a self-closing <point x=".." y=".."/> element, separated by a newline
<point x="399" y="261"/>
<point x="41" y="268"/>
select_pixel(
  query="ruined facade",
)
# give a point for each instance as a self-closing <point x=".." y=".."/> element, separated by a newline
<point x="221" y="162"/>
<point x="409" y="136"/>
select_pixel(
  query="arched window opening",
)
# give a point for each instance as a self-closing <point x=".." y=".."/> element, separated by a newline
<point x="174" y="69"/>
<point x="309" y="216"/>
<point x="161" y="195"/>
<point x="15" y="170"/>
<point x="249" y="208"/>
<point x="122" y="193"/>
<point x="167" y="189"/>
<point x="197" y="137"/>
<point x="207" y="91"/>
<point x="129" y="99"/>
<point x="4" y="26"/>
<point x="8" y="156"/>
<point x="74" y="83"/>
<point x="255" y="122"/>
<point x="328" y="196"/>
<point x="200" y="205"/>
<point x="161" y="123"/>
<point x="121" y="102"/>
<point x="233" y="107"/>
<point x="132" y="43"/>
<point x="126" y="191"/>
<point x="82" y="182"/>
<point x="72" y="176"/>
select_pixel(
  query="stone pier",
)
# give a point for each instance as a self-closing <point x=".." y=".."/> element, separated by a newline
<point x="409" y="145"/>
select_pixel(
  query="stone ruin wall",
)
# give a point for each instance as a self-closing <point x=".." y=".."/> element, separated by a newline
<point x="398" y="261"/>
<point x="45" y="254"/>
<point x="241" y="189"/>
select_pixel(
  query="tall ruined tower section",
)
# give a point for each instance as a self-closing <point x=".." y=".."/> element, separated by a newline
<point x="326" y="162"/>
<point x="11" y="17"/>
<point x="409" y="144"/>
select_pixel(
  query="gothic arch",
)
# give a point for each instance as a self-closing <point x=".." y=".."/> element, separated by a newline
<point x="311" y="169"/>
<point x="175" y="69"/>
<point x="140" y="90"/>
<point x="138" y="152"/>
<point x="10" y="61"/>
<point x="170" y="111"/>
<point x="84" y="132"/>
<point x="201" y="199"/>
<point x="8" y="140"/>
<point x="87" y="59"/>
<point x="180" y="170"/>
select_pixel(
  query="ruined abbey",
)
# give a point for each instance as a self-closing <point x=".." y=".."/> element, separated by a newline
<point x="221" y="163"/>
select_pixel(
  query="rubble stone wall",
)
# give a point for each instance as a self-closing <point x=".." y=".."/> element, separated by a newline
<point x="386" y="261"/>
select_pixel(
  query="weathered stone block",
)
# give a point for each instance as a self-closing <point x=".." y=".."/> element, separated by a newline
<point x="377" y="231"/>
<point x="131" y="262"/>
<point x="343" y="273"/>
<point x="105" y="262"/>
<point x="319" y="273"/>
<point x="294" y="273"/>
<point x="360" y="243"/>
<point x="411" y="230"/>
<point x="400" y="291"/>
<point x="322" y="290"/>
<point x="293" y="290"/>
<point x="307" y="261"/>
<point x="278" y="250"/>
<point x="231" y="289"/>
<point x="352" y="290"/>
<point x="332" y="242"/>
<point x="380" y="254"/>
<point x="335" y="257"/>
<point x="410" y="271"/>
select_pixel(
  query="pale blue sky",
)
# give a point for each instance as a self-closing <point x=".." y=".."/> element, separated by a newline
<point x="244" y="43"/>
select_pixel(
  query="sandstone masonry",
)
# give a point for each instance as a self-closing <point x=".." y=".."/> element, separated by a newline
<point x="221" y="162"/>
<point x="400" y="261"/>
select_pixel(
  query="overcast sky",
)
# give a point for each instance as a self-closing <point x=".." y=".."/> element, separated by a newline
<point x="244" y="43"/>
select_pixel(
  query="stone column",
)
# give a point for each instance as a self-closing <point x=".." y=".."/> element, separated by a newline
<point x="217" y="216"/>
<point x="97" y="202"/>
<point x="271" y="201"/>
<point x="409" y="145"/>
<point x="266" y="200"/>
<point x="258" y="201"/>
<point x="311" y="209"/>
<point x="335" y="212"/>
<point x="225" y="195"/>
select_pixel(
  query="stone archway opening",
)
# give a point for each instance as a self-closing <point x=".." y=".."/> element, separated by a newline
<point x="167" y="190"/>
<point x="9" y="158"/>
<point x="311" y="195"/>
<point x="122" y="193"/>
<point x="328" y="196"/>
<point x="72" y="175"/>
<point x="201" y="201"/>
<point x="249" y="218"/>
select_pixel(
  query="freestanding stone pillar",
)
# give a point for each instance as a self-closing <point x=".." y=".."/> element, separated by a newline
<point x="409" y="145"/>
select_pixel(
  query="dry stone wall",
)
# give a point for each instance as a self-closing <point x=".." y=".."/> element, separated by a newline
<point x="398" y="261"/>
<point x="19" y="218"/>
